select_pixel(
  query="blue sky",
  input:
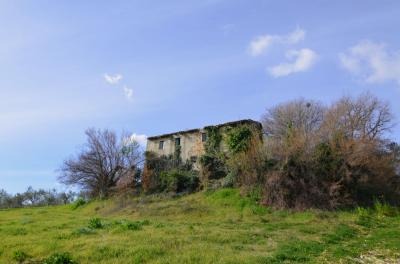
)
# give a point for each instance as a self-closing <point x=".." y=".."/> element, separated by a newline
<point x="151" y="67"/>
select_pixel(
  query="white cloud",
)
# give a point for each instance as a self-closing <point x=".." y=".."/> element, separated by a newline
<point x="139" y="138"/>
<point x="295" y="36"/>
<point x="113" y="78"/>
<point x="261" y="44"/>
<point x="128" y="92"/>
<point x="372" y="62"/>
<point x="302" y="60"/>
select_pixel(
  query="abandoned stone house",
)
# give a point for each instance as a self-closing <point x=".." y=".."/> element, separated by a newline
<point x="191" y="142"/>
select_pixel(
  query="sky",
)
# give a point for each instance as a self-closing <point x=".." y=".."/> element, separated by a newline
<point x="152" y="67"/>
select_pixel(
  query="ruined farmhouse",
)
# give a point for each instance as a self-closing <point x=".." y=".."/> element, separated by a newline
<point x="191" y="143"/>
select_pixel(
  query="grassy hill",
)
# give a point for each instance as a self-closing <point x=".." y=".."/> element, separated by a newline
<point x="216" y="227"/>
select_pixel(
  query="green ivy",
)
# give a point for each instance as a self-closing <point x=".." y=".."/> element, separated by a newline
<point x="238" y="139"/>
<point x="214" y="138"/>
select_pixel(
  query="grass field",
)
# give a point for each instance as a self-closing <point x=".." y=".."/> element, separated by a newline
<point x="217" y="227"/>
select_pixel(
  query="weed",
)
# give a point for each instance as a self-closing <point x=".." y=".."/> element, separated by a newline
<point x="20" y="256"/>
<point x="159" y="225"/>
<point x="365" y="217"/>
<point x="342" y="232"/>
<point x="384" y="210"/>
<point x="106" y="252"/>
<point x="296" y="251"/>
<point x="95" y="223"/>
<point x="133" y="225"/>
<point x="18" y="232"/>
<point x="59" y="258"/>
<point x="78" y="203"/>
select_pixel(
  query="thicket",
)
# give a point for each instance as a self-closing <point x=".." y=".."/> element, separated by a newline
<point x="169" y="174"/>
<point x="232" y="157"/>
<point x="330" y="157"/>
<point x="311" y="155"/>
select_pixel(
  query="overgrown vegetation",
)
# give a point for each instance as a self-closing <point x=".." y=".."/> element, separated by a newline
<point x="213" y="166"/>
<point x="305" y="155"/>
<point x="169" y="174"/>
<point x="330" y="157"/>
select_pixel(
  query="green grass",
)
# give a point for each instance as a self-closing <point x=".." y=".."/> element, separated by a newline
<point x="210" y="227"/>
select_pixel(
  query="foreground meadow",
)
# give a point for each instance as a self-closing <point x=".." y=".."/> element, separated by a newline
<point x="217" y="227"/>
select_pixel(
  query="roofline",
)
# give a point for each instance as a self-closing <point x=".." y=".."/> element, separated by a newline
<point x="243" y="121"/>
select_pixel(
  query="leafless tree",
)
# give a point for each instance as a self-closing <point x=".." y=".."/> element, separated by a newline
<point x="103" y="161"/>
<point x="364" y="117"/>
<point x="302" y="115"/>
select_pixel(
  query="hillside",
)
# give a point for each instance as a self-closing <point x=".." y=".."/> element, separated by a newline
<point x="217" y="227"/>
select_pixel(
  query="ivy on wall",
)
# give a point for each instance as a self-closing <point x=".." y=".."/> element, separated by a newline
<point x="214" y="138"/>
<point x="238" y="139"/>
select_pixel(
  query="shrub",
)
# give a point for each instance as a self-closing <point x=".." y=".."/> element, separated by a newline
<point x="133" y="225"/>
<point x="178" y="181"/>
<point x="95" y="223"/>
<point x="20" y="256"/>
<point x="160" y="173"/>
<point x="365" y="217"/>
<point x="329" y="158"/>
<point x="78" y="203"/>
<point x="229" y="180"/>
<point x="371" y="217"/>
<point x="385" y="210"/>
<point x="247" y="158"/>
<point x="59" y="258"/>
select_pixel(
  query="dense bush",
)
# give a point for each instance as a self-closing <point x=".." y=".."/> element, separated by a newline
<point x="247" y="155"/>
<point x="169" y="173"/>
<point x="330" y="157"/>
<point x="179" y="181"/>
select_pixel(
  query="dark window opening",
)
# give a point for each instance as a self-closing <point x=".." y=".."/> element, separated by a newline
<point x="203" y="137"/>
<point x="161" y="145"/>
<point x="177" y="141"/>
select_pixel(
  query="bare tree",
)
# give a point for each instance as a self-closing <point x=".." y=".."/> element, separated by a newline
<point x="364" y="117"/>
<point x="103" y="161"/>
<point x="301" y="115"/>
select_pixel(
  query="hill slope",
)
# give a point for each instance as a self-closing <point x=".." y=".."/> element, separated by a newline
<point x="218" y="227"/>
